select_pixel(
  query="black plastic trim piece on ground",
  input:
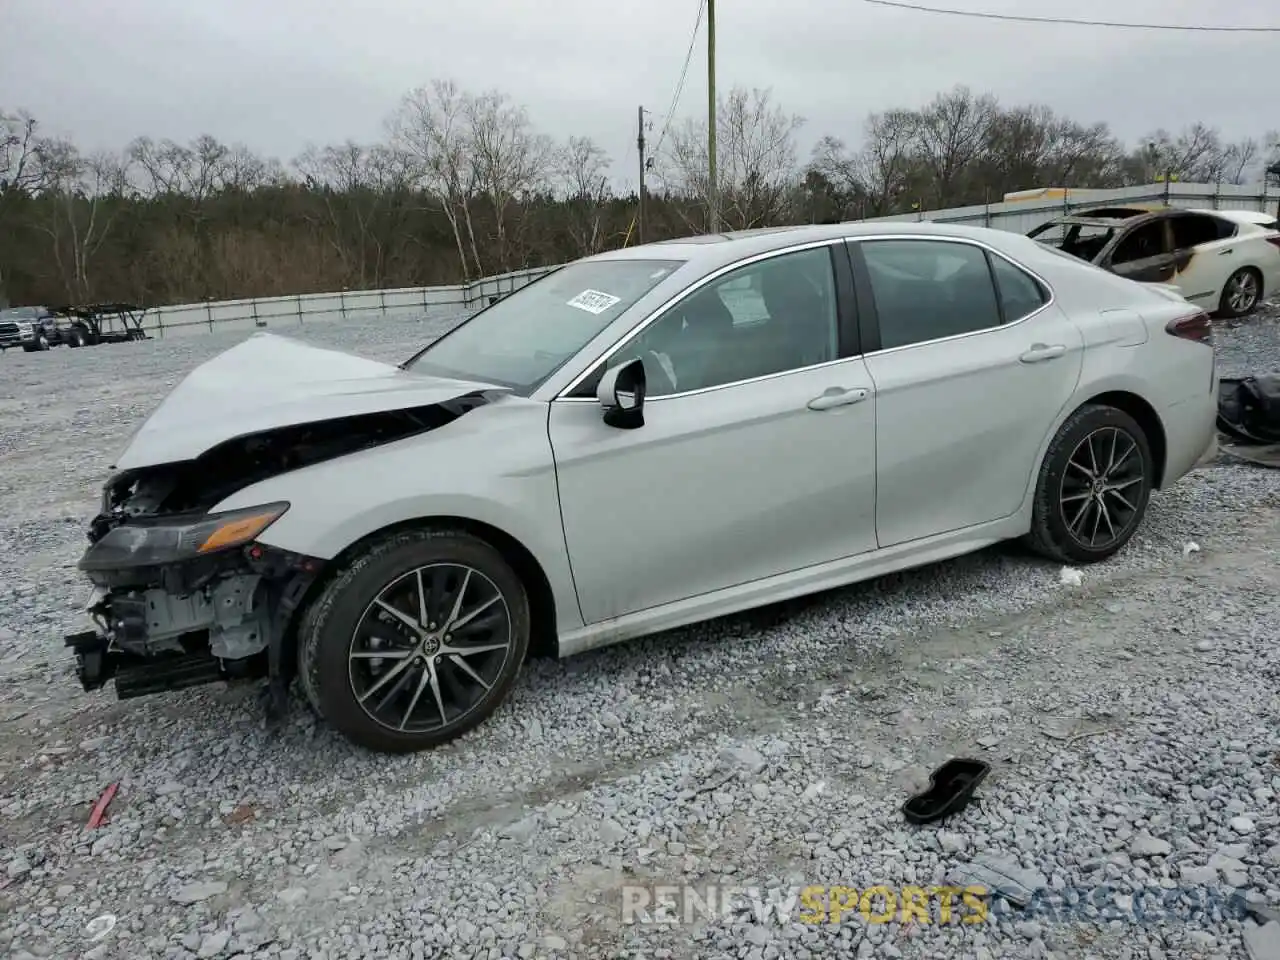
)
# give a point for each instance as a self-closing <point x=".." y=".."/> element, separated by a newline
<point x="951" y="787"/>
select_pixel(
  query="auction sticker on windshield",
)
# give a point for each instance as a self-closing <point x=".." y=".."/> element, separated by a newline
<point x="593" y="301"/>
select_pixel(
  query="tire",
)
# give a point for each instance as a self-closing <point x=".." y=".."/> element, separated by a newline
<point x="75" y="339"/>
<point x="1241" y="294"/>
<point x="1058" y="531"/>
<point x="344" y="620"/>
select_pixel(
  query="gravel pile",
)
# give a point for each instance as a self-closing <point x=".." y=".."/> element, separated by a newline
<point x="1132" y="721"/>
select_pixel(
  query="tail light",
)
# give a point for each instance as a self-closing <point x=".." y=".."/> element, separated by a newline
<point x="1195" y="326"/>
<point x="1274" y="241"/>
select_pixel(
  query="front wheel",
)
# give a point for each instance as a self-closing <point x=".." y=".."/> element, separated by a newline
<point x="417" y="641"/>
<point x="1094" y="486"/>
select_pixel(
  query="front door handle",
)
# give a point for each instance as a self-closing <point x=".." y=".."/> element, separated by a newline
<point x="1041" y="351"/>
<point x="838" y="397"/>
<point x="1223" y="253"/>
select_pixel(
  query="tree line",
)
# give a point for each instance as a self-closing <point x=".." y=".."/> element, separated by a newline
<point x="463" y="185"/>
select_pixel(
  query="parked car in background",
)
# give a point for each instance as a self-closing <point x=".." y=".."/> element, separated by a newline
<point x="1221" y="260"/>
<point x="31" y="328"/>
<point x="42" y="328"/>
<point x="641" y="439"/>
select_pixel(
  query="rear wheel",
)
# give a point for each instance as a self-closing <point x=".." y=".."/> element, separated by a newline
<point x="417" y="641"/>
<point x="1241" y="293"/>
<point x="1094" y="486"/>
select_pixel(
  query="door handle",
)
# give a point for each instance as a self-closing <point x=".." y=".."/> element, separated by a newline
<point x="1223" y="253"/>
<point x="1040" y="351"/>
<point x="838" y="397"/>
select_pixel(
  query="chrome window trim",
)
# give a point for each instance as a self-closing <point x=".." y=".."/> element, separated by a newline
<point x="1053" y="298"/>
<point x="662" y="308"/>
<point x="688" y="291"/>
<point x="723" y="386"/>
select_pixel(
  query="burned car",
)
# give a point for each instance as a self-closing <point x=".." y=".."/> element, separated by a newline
<point x="639" y="440"/>
<point x="1225" y="261"/>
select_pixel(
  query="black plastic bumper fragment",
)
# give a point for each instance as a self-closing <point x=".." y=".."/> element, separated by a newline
<point x="94" y="663"/>
<point x="164" y="674"/>
<point x="136" y="676"/>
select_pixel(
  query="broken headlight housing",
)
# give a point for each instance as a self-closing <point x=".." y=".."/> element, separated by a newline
<point x="156" y="541"/>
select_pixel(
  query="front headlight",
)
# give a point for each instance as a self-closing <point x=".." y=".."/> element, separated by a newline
<point x="153" y="543"/>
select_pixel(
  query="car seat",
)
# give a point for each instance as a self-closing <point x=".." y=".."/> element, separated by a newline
<point x="799" y="319"/>
<point x="702" y="350"/>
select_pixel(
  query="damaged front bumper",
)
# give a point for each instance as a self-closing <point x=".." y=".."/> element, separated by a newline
<point x="181" y="601"/>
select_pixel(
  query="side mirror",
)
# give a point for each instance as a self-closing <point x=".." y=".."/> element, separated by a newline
<point x="621" y="393"/>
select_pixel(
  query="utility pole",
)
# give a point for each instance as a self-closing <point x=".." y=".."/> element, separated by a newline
<point x="640" y="145"/>
<point x="713" y="198"/>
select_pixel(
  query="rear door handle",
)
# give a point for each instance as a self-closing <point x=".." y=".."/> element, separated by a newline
<point x="838" y="397"/>
<point x="1040" y="351"/>
<point x="1223" y="253"/>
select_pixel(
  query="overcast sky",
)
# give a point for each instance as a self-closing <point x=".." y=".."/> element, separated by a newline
<point x="279" y="74"/>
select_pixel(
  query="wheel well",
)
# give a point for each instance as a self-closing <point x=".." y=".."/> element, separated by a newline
<point x="1148" y="420"/>
<point x="542" y="604"/>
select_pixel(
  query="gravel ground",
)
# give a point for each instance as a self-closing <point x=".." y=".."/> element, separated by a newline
<point x="1132" y="721"/>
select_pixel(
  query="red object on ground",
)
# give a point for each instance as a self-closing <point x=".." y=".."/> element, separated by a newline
<point x="100" y="808"/>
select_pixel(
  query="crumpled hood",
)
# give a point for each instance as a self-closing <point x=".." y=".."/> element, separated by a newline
<point x="271" y="381"/>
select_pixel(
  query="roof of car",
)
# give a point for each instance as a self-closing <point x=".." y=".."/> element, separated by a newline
<point x="1240" y="216"/>
<point x="724" y="248"/>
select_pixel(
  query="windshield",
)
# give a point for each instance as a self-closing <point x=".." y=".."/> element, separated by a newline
<point x="526" y="337"/>
<point x="21" y="313"/>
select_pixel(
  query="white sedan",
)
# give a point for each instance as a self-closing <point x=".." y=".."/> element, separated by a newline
<point x="1223" y="260"/>
<point x="642" y="439"/>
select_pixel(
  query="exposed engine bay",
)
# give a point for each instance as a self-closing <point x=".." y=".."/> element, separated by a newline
<point x="184" y="597"/>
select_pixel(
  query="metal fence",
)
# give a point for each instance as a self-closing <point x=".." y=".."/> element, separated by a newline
<point x="275" y="312"/>
<point x="1018" y="215"/>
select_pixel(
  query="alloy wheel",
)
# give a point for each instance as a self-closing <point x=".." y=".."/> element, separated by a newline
<point x="1242" y="292"/>
<point x="1102" y="488"/>
<point x="429" y="648"/>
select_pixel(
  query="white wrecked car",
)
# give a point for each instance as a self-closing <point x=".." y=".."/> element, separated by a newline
<point x="642" y="439"/>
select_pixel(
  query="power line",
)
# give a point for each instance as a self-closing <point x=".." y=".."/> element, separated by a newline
<point x="1066" y="21"/>
<point x="675" y="100"/>
<point x="684" y="73"/>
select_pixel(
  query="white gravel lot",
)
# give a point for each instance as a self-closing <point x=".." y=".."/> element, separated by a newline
<point x="1132" y="721"/>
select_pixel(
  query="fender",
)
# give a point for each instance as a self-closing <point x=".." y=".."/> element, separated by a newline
<point x="508" y="478"/>
<point x="1120" y="382"/>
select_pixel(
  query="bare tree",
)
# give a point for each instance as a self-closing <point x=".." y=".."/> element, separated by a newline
<point x="756" y="162"/>
<point x="244" y="170"/>
<point x="583" y="185"/>
<point x="887" y="159"/>
<point x="21" y="170"/>
<point x="1194" y="154"/>
<point x="81" y="189"/>
<point x="511" y="162"/>
<point x="431" y="129"/>
<point x="196" y="171"/>
<point x="1240" y="159"/>
<point x="357" y="183"/>
<point x="950" y="135"/>
<point x="1082" y="155"/>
